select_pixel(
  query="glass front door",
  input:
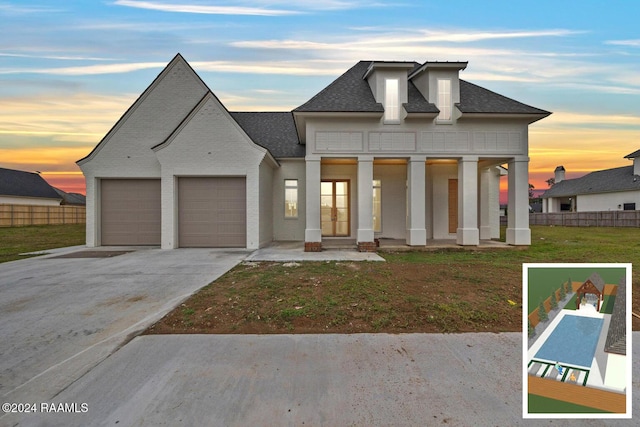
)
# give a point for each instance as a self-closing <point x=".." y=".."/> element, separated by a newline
<point x="334" y="208"/>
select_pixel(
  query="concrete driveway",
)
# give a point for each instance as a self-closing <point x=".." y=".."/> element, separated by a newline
<point x="61" y="316"/>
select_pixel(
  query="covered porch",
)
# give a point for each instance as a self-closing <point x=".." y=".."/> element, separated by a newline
<point x="413" y="200"/>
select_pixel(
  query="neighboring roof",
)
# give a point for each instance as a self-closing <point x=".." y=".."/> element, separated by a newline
<point x="71" y="198"/>
<point x="604" y="181"/>
<point x="348" y="93"/>
<point x="633" y="155"/>
<point x="25" y="184"/>
<point x="275" y="131"/>
<point x="617" y="336"/>
<point x="476" y="99"/>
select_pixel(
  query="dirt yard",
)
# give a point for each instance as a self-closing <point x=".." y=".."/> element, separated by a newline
<point x="401" y="295"/>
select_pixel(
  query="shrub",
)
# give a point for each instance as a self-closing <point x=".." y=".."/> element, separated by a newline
<point x="554" y="302"/>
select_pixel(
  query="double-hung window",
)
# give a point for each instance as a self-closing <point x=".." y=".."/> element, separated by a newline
<point x="444" y="100"/>
<point x="291" y="198"/>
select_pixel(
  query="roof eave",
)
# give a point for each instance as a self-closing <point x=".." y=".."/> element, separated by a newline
<point x="530" y="117"/>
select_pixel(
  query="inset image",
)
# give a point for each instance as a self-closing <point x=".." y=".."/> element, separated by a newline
<point x="577" y="341"/>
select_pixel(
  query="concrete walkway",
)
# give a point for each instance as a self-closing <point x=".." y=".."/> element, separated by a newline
<point x="310" y="380"/>
<point x="294" y="251"/>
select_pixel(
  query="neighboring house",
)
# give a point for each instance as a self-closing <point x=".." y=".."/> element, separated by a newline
<point x="605" y="190"/>
<point x="26" y="188"/>
<point x="396" y="150"/>
<point x="72" y="199"/>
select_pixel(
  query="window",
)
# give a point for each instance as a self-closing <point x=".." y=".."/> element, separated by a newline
<point x="391" y="101"/>
<point x="629" y="206"/>
<point x="291" y="198"/>
<point x="444" y="100"/>
<point x="377" y="206"/>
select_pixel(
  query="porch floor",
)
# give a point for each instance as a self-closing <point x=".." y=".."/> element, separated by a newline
<point x="396" y="245"/>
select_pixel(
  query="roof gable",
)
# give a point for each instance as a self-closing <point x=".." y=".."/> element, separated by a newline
<point x="25" y="184"/>
<point x="168" y="113"/>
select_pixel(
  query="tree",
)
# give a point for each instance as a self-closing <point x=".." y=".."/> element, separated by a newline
<point x="551" y="182"/>
<point x="532" y="330"/>
<point x="563" y="292"/>
<point x="569" y="287"/>
<point x="542" y="313"/>
<point x="531" y="187"/>
<point x="554" y="302"/>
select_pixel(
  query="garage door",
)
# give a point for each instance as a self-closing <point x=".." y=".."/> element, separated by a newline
<point x="212" y="212"/>
<point x="130" y="212"/>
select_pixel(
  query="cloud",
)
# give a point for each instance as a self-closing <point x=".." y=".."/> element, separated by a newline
<point x="56" y="57"/>
<point x="205" y="9"/>
<point x="632" y="43"/>
<point x="87" y="70"/>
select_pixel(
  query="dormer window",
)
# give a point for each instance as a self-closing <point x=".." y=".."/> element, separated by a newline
<point x="391" y="101"/>
<point x="444" y="100"/>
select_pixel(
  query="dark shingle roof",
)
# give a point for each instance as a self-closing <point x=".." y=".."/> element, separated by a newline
<point x="274" y="131"/>
<point x="604" y="181"/>
<point x="617" y="336"/>
<point x="633" y="155"/>
<point x="25" y="184"/>
<point x="476" y="99"/>
<point x="348" y="93"/>
<point x="351" y="93"/>
<point x="417" y="103"/>
<point x="71" y="198"/>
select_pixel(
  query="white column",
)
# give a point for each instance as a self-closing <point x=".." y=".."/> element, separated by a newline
<point x="312" y="232"/>
<point x="468" y="233"/>
<point x="518" y="232"/>
<point x="365" y="199"/>
<point x="169" y="216"/>
<point x="92" y="212"/>
<point x="416" y="229"/>
<point x="486" y="202"/>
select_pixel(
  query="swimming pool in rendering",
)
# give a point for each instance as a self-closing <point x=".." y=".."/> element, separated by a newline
<point x="573" y="341"/>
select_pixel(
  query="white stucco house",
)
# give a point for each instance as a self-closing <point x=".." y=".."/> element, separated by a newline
<point x="396" y="150"/>
<point x="605" y="190"/>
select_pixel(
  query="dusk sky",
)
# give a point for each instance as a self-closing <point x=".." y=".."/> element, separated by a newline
<point x="69" y="69"/>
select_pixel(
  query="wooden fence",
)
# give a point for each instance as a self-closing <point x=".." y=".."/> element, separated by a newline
<point x="587" y="219"/>
<point x="23" y="215"/>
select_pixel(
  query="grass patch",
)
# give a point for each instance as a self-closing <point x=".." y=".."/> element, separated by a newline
<point x="17" y="240"/>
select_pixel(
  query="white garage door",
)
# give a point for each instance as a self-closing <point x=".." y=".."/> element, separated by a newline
<point x="130" y="212"/>
<point x="212" y="212"/>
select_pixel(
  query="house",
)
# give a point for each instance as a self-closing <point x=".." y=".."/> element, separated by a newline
<point x="396" y="150"/>
<point x="605" y="190"/>
<point x="72" y="199"/>
<point x="26" y="188"/>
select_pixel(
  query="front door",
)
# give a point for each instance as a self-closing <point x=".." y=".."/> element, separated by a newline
<point x="453" y="205"/>
<point x="334" y="208"/>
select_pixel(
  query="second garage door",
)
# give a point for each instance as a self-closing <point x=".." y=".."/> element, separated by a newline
<point x="212" y="212"/>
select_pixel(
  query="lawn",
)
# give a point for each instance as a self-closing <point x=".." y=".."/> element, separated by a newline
<point x="17" y="240"/>
<point x="442" y="291"/>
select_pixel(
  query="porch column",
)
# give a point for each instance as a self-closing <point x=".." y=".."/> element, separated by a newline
<point x="518" y="232"/>
<point x="365" y="205"/>
<point x="467" y="233"/>
<point x="312" y="232"/>
<point x="486" y="202"/>
<point x="416" y="229"/>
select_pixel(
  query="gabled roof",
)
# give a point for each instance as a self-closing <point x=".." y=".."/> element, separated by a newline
<point x="617" y="336"/>
<point x="275" y="131"/>
<point x="476" y="99"/>
<point x="596" y="280"/>
<point x="25" y="184"/>
<point x="604" y="181"/>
